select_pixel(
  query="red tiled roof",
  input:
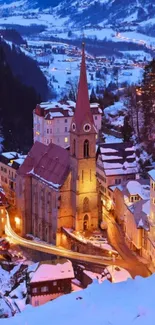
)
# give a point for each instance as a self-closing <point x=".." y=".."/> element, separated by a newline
<point x="50" y="163"/>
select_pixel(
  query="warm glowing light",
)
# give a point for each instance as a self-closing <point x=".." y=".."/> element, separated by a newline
<point x="17" y="221"/>
<point x="2" y="211"/>
<point x="2" y="219"/>
<point x="66" y="139"/>
<point x="37" y="133"/>
<point x="11" y="161"/>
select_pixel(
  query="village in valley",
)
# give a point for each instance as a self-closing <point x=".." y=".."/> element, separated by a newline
<point x="78" y="207"/>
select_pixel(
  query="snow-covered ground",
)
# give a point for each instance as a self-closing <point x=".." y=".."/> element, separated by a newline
<point x="130" y="302"/>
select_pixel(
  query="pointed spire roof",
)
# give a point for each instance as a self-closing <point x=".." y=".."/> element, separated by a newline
<point x="83" y="112"/>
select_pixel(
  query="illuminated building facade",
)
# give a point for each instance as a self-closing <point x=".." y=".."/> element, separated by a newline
<point x="57" y="188"/>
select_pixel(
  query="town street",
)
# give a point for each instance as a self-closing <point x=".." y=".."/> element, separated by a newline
<point x="129" y="261"/>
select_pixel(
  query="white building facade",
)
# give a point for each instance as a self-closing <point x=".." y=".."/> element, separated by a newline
<point x="51" y="122"/>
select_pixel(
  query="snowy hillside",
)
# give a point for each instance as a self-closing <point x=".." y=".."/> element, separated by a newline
<point x="87" y="11"/>
<point x="130" y="302"/>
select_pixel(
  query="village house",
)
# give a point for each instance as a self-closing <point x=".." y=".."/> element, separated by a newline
<point x="57" y="188"/>
<point x="131" y="211"/>
<point x="9" y="164"/>
<point x="49" y="281"/>
<point x="3" y="206"/>
<point x="151" y="235"/>
<point x="116" y="163"/>
<point x="52" y="121"/>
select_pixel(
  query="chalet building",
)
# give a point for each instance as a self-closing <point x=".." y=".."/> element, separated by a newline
<point x="49" y="281"/>
<point x="9" y="164"/>
<point x="116" y="163"/>
<point x="57" y="188"/>
<point x="52" y="121"/>
<point x="151" y="236"/>
<point x="3" y="206"/>
<point x="131" y="210"/>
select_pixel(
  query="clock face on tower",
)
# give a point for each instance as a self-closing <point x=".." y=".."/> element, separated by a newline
<point x="87" y="127"/>
<point x="73" y="126"/>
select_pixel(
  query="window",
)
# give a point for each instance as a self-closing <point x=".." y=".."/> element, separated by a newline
<point x="82" y="176"/>
<point x="96" y="136"/>
<point x="117" y="181"/>
<point x="95" y="117"/>
<point x="74" y="147"/>
<point x="1" y="167"/>
<point x="44" y="289"/>
<point x="54" y="283"/>
<point x="37" y="133"/>
<point x="153" y="200"/>
<point x="66" y="139"/>
<point x="37" y="303"/>
<point x="51" y="131"/>
<point x="48" y="122"/>
<point x="34" y="290"/>
<point x="65" y="128"/>
<point x="66" y="120"/>
<point x="47" y="131"/>
<point x="90" y="175"/>
<point x="85" y="204"/>
<point x="86" y="149"/>
<point x="6" y="180"/>
<point x="47" y="141"/>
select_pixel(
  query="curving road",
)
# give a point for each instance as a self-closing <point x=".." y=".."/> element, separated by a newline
<point x="129" y="260"/>
<point x="46" y="248"/>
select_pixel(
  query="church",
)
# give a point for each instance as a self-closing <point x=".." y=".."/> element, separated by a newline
<point x="56" y="188"/>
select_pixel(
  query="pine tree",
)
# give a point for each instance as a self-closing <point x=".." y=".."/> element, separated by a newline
<point x="148" y="102"/>
<point x="126" y="129"/>
<point x="93" y="98"/>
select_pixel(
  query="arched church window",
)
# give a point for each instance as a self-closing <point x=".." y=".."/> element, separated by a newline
<point x="85" y="204"/>
<point x="74" y="147"/>
<point x="86" y="149"/>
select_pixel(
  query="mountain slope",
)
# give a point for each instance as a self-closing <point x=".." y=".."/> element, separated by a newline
<point x="87" y="11"/>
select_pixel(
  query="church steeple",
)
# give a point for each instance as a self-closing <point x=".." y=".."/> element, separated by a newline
<point x="83" y="116"/>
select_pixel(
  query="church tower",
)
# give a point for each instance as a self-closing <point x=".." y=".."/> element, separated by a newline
<point x="83" y="159"/>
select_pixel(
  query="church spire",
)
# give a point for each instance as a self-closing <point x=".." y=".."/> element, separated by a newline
<point x="83" y="112"/>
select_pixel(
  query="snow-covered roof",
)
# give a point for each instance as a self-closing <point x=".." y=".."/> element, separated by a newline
<point x="114" y="159"/>
<point x="130" y="302"/>
<point x="136" y="188"/>
<point x="152" y="174"/>
<point x="50" y="272"/>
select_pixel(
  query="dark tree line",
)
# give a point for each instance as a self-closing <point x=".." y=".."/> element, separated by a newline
<point x="17" y="102"/>
<point x="25" y="69"/>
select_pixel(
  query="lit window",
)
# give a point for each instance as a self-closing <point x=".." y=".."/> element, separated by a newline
<point x="66" y="139"/>
<point x="17" y="221"/>
<point x="11" y="161"/>
<point x="96" y="136"/>
<point x="44" y="289"/>
<point x="37" y="133"/>
<point x="2" y="211"/>
<point x="34" y="290"/>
